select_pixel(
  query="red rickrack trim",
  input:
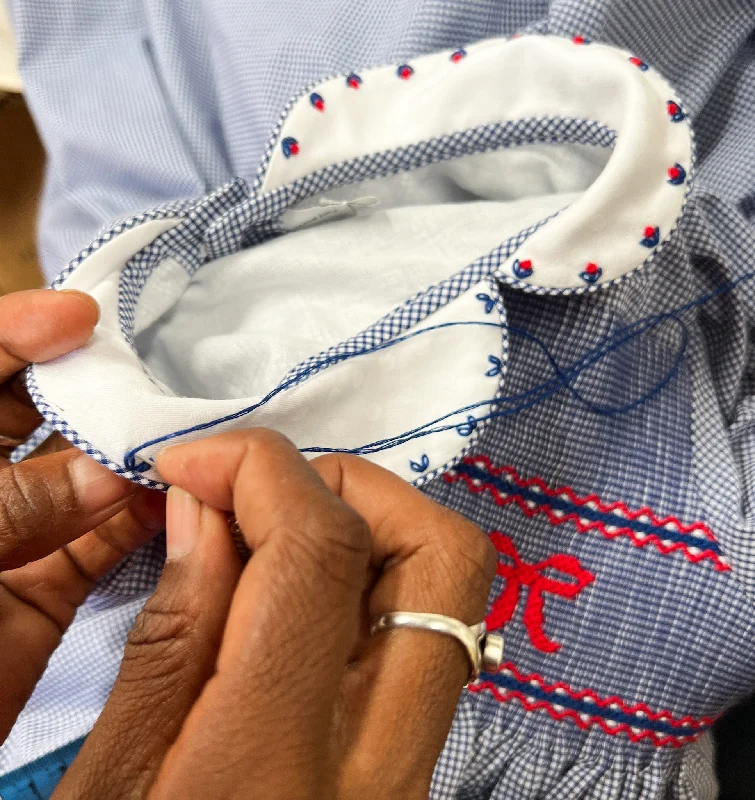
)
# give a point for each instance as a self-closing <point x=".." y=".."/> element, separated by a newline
<point x="558" y="517"/>
<point x="583" y="720"/>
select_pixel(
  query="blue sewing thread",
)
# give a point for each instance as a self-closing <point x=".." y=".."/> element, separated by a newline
<point x="563" y="380"/>
<point x="534" y="396"/>
<point x="540" y="393"/>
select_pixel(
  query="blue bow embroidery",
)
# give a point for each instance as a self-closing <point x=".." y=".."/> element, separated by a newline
<point x="488" y="300"/>
<point x="497" y="367"/>
<point x="421" y="465"/>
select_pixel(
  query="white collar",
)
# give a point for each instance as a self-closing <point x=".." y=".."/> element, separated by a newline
<point x="553" y="88"/>
<point x="376" y="134"/>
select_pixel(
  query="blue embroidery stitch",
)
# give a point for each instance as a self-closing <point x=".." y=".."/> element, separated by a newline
<point x="521" y="269"/>
<point x="466" y="428"/>
<point x="405" y="72"/>
<point x="353" y="81"/>
<point x="290" y="147"/>
<point x="488" y="300"/>
<point x="651" y="237"/>
<point x="591" y="273"/>
<point x="675" y="111"/>
<point x="497" y="367"/>
<point x="677" y="175"/>
<point x="421" y="465"/>
<point x="317" y="101"/>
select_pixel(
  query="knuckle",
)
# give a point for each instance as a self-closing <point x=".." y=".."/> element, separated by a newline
<point x="338" y="550"/>
<point x="25" y="510"/>
<point x="260" y="441"/>
<point x="159" y="644"/>
<point x="471" y="559"/>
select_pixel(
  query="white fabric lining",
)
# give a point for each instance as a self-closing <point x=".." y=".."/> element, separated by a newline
<point x="244" y="321"/>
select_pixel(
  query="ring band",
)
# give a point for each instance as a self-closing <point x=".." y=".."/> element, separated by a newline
<point x="484" y="650"/>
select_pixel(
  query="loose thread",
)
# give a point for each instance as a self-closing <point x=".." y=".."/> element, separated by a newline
<point x="564" y="378"/>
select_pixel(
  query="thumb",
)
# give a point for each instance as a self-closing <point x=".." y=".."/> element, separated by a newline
<point x="169" y="656"/>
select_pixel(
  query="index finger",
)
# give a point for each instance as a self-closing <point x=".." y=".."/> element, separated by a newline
<point x="285" y="647"/>
<point x="403" y="689"/>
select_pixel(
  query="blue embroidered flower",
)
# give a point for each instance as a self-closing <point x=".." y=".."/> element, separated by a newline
<point x="591" y="273"/>
<point x="522" y="269"/>
<point x="677" y="175"/>
<point x="421" y="465"/>
<point x="466" y="428"/>
<point x="290" y="147"/>
<point x="488" y="300"/>
<point x="457" y="55"/>
<point x="405" y="72"/>
<point x="353" y="81"/>
<point x="652" y="235"/>
<point x="317" y="101"/>
<point x="639" y="63"/>
<point x="675" y="111"/>
<point x="497" y="367"/>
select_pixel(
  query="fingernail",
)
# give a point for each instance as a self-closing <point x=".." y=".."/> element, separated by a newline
<point x="88" y="297"/>
<point x="159" y="458"/>
<point x="96" y="487"/>
<point x="183" y="514"/>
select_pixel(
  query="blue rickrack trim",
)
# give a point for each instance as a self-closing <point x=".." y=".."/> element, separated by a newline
<point x="592" y="709"/>
<point x="583" y="510"/>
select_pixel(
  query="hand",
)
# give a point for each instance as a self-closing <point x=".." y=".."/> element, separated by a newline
<point x="262" y="681"/>
<point x="65" y="520"/>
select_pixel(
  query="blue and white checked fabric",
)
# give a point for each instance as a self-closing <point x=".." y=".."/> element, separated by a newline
<point x="146" y="103"/>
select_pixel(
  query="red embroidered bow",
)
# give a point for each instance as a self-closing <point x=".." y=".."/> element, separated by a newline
<point x="522" y="574"/>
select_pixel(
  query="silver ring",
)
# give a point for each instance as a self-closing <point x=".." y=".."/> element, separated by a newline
<point x="485" y="650"/>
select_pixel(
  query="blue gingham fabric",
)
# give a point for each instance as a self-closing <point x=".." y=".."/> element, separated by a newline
<point x="147" y="103"/>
